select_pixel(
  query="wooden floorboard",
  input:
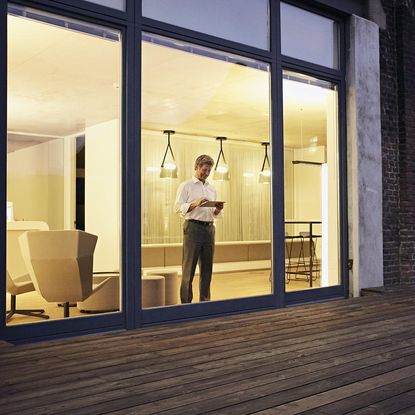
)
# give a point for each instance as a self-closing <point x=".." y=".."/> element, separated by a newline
<point x="352" y="356"/>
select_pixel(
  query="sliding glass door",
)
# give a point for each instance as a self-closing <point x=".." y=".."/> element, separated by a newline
<point x="311" y="185"/>
<point x="199" y="101"/>
<point x="63" y="168"/>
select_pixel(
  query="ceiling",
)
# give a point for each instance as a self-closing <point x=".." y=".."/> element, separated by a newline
<point x="197" y="95"/>
<point x="61" y="81"/>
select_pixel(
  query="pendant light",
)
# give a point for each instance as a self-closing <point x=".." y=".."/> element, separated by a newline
<point x="221" y="168"/>
<point x="168" y="165"/>
<point x="265" y="173"/>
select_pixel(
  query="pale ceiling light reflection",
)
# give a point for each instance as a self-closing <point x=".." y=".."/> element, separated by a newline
<point x="304" y="94"/>
<point x="248" y="174"/>
<point x="152" y="169"/>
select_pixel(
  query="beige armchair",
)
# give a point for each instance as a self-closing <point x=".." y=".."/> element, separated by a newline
<point x="18" y="280"/>
<point x="21" y="285"/>
<point x="60" y="264"/>
<point x="106" y="295"/>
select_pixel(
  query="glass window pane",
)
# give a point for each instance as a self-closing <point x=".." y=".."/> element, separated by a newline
<point x="114" y="4"/>
<point x="191" y="96"/>
<point x="63" y="166"/>
<point x="311" y="182"/>
<point x="308" y="36"/>
<point x="238" y="20"/>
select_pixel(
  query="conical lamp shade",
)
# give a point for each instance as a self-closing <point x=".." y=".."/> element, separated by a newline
<point x="265" y="176"/>
<point x="168" y="171"/>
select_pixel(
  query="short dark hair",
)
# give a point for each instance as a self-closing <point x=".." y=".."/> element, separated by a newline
<point x="204" y="159"/>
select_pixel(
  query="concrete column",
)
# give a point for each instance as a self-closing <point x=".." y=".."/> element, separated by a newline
<point x="364" y="156"/>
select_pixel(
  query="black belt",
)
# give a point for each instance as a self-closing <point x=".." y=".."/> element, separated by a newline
<point x="201" y="222"/>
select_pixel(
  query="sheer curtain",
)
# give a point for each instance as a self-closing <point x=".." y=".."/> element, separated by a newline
<point x="247" y="207"/>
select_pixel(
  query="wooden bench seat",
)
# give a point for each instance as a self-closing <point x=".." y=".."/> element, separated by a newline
<point x="221" y="268"/>
<point x="229" y="257"/>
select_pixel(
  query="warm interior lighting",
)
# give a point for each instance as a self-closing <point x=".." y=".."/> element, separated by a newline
<point x="221" y="167"/>
<point x="265" y="174"/>
<point x="168" y="165"/>
<point x="325" y="227"/>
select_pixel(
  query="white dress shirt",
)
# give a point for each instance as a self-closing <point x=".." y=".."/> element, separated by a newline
<point x="191" y="190"/>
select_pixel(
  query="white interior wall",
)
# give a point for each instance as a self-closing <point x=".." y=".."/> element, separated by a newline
<point x="56" y="184"/>
<point x="332" y="186"/>
<point x="289" y="188"/>
<point x="307" y="186"/>
<point x="35" y="183"/>
<point x="102" y="192"/>
<point x="307" y="191"/>
<point x="69" y="205"/>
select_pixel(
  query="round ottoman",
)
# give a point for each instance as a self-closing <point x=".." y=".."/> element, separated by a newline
<point x="153" y="291"/>
<point x="171" y="285"/>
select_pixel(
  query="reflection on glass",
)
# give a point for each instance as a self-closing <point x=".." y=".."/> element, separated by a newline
<point x="63" y="167"/>
<point x="113" y="4"/>
<point x="203" y="94"/>
<point x="308" y="36"/>
<point x="238" y="20"/>
<point x="311" y="182"/>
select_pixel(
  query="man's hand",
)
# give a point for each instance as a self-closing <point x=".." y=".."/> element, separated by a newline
<point x="197" y="203"/>
<point x="218" y="208"/>
<point x="200" y="201"/>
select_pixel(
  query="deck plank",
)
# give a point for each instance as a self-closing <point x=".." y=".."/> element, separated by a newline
<point x="344" y="356"/>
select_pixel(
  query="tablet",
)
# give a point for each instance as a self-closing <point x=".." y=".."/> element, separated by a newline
<point x="211" y="203"/>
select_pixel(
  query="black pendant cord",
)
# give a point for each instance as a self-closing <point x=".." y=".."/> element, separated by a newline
<point x="168" y="132"/>
<point x="220" y="152"/>
<point x="266" y="159"/>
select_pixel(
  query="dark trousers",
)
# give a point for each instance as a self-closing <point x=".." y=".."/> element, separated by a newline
<point x="198" y="246"/>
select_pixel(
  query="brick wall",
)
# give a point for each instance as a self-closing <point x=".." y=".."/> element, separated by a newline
<point x="390" y="146"/>
<point x="397" y="63"/>
<point x="405" y="24"/>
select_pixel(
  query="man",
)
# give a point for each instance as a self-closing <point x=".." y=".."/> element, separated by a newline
<point x="198" y="229"/>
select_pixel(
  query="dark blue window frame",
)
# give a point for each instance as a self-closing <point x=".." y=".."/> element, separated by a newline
<point x="131" y="24"/>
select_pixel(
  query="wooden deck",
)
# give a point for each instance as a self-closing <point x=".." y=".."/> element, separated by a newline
<point x="351" y="356"/>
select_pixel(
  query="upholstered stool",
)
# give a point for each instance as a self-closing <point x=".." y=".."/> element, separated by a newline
<point x="153" y="291"/>
<point x="171" y="285"/>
